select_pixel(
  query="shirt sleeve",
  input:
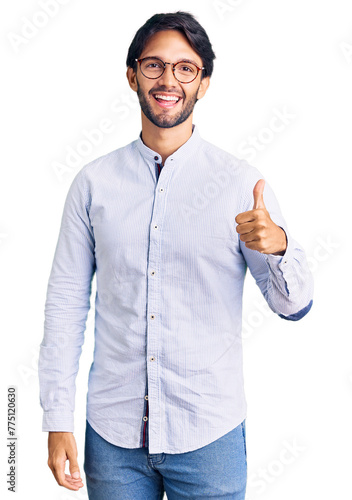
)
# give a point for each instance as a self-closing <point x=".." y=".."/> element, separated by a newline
<point x="286" y="281"/>
<point x="66" y="309"/>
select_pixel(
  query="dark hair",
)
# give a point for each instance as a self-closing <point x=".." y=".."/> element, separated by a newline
<point x="180" y="21"/>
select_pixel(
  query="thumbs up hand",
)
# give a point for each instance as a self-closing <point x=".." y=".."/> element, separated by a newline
<point x="256" y="228"/>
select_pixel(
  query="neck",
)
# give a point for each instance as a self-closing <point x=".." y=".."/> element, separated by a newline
<point x="165" y="141"/>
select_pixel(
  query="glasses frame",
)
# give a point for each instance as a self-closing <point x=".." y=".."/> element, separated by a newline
<point x="173" y="68"/>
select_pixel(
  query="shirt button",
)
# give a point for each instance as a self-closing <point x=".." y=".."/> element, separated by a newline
<point x="145" y="419"/>
<point x="152" y="358"/>
<point x="161" y="190"/>
<point x="152" y="316"/>
<point x="152" y="273"/>
<point x="156" y="158"/>
<point x="146" y="397"/>
<point x="155" y="227"/>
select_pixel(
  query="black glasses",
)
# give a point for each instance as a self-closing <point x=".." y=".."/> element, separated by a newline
<point x="184" y="71"/>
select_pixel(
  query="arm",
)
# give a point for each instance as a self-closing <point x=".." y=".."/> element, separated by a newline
<point x="275" y="259"/>
<point x="66" y="309"/>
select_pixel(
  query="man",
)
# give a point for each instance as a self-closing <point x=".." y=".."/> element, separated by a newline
<point x="169" y="224"/>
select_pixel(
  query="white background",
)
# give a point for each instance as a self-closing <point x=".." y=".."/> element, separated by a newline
<point x="65" y="78"/>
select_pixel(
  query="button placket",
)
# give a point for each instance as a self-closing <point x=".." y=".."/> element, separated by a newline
<point x="153" y="311"/>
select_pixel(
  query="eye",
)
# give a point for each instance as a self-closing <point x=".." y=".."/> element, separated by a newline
<point x="185" y="67"/>
<point x="152" y="64"/>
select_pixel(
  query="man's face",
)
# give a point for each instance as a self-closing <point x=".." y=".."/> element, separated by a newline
<point x="170" y="46"/>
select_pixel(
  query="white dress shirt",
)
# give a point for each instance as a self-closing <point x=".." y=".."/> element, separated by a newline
<point x="170" y="270"/>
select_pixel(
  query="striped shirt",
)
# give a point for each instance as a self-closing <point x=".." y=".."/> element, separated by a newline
<point x="170" y="268"/>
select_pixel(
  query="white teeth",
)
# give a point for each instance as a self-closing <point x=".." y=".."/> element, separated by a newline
<point x="167" y="98"/>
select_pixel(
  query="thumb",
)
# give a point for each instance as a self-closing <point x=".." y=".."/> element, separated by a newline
<point x="258" y="194"/>
<point x="74" y="468"/>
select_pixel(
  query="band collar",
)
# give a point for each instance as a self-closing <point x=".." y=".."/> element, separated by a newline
<point x="181" y="153"/>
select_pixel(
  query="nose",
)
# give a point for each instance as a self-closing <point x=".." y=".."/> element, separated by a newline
<point x="167" y="78"/>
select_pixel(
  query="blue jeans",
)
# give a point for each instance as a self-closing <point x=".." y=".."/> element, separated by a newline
<point x="218" y="470"/>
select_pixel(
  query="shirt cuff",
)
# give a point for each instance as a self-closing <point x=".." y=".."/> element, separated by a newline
<point x="55" y="421"/>
<point x="300" y="314"/>
<point x="279" y="263"/>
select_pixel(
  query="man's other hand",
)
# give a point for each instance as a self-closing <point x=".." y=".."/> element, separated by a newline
<point x="62" y="446"/>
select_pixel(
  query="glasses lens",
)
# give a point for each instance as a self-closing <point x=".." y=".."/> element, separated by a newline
<point x="185" y="72"/>
<point x="152" y="68"/>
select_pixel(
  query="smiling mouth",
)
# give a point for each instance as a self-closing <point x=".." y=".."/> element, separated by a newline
<point x="167" y="101"/>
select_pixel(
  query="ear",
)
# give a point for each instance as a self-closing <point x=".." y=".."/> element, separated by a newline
<point x="203" y="87"/>
<point x="132" y="78"/>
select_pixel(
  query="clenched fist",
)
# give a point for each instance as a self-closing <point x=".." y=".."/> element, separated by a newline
<point x="257" y="230"/>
